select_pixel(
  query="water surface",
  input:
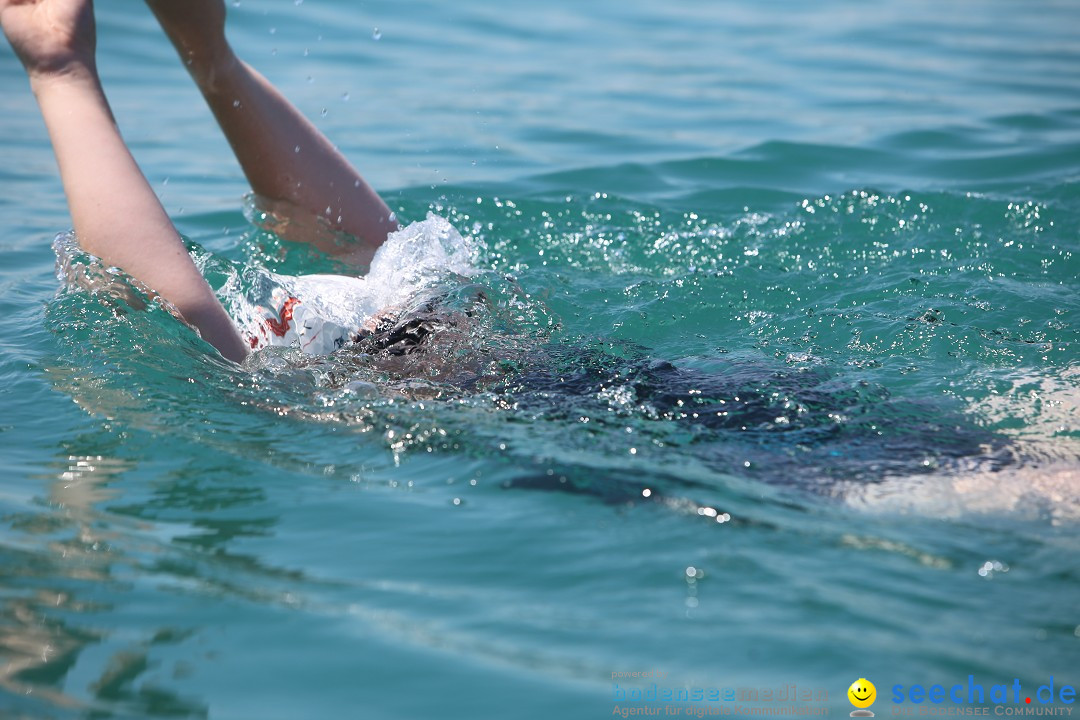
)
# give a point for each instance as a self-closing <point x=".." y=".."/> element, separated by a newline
<point x="869" y="213"/>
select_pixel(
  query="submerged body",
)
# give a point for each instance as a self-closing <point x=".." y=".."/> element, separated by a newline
<point x="426" y="322"/>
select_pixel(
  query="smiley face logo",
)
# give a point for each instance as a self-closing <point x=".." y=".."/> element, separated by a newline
<point x="862" y="693"/>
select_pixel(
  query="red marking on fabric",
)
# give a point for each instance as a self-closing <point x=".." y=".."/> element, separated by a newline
<point x="281" y="326"/>
<point x="308" y="343"/>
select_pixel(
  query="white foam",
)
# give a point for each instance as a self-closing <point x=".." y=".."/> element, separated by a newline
<point x="414" y="259"/>
<point x="417" y="256"/>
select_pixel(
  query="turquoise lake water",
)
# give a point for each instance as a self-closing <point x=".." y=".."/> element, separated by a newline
<point x="853" y="226"/>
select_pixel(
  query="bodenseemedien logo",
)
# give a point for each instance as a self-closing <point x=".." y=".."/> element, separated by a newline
<point x="862" y="694"/>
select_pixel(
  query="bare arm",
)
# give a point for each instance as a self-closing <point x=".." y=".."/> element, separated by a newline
<point x="284" y="156"/>
<point x="115" y="212"/>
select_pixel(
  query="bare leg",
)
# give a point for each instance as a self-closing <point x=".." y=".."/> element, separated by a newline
<point x="284" y="156"/>
<point x="114" y="210"/>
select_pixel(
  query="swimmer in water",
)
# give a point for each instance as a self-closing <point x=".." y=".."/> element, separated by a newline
<point x="298" y="174"/>
<point x="117" y="216"/>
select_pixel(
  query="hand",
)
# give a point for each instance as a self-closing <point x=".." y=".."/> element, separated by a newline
<point x="53" y="38"/>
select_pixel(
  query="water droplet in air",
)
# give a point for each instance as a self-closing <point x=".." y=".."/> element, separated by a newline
<point x="344" y="97"/>
<point x="273" y="31"/>
<point x="236" y="103"/>
<point x="323" y="113"/>
<point x="376" y="34"/>
<point x="296" y="149"/>
<point x="310" y="79"/>
<point x="298" y="2"/>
